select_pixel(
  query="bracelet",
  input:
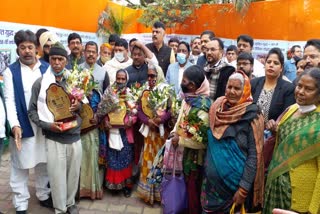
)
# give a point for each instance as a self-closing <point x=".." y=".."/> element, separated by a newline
<point x="242" y="192"/>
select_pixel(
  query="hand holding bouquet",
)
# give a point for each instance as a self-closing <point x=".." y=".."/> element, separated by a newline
<point x="80" y="82"/>
<point x="158" y="102"/>
<point x="109" y="102"/>
<point x="195" y="125"/>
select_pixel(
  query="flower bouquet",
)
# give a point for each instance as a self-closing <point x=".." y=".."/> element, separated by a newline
<point x="158" y="102"/>
<point x="133" y="96"/>
<point x="195" y="125"/>
<point x="109" y="102"/>
<point x="175" y="110"/>
<point x="80" y="83"/>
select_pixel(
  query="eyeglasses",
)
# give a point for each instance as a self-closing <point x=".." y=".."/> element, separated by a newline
<point x="152" y="75"/>
<point x="212" y="49"/>
<point x="243" y="63"/>
<point x="75" y="43"/>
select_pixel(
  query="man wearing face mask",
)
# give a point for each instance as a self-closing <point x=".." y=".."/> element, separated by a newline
<point x="175" y="70"/>
<point x="121" y="60"/>
<point x="105" y="54"/>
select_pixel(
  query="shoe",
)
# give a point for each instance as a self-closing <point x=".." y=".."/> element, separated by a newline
<point x="73" y="210"/>
<point x="47" y="203"/>
<point x="126" y="192"/>
<point x="21" y="212"/>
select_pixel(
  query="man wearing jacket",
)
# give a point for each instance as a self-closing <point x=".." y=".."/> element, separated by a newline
<point x="27" y="146"/>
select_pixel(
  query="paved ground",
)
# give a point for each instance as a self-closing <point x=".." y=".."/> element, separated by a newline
<point x="109" y="204"/>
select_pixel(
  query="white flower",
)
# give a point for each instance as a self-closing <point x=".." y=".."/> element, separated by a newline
<point x="192" y="130"/>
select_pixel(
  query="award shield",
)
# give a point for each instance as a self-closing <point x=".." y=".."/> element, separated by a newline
<point x="116" y="117"/>
<point x="58" y="103"/>
<point x="86" y="115"/>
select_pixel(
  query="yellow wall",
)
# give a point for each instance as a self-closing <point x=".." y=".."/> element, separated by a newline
<point x="278" y="19"/>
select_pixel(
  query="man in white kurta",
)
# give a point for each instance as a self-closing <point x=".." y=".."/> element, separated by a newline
<point x="27" y="144"/>
<point x="121" y="60"/>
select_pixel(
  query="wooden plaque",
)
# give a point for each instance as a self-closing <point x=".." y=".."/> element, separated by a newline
<point x="86" y="115"/>
<point x="116" y="117"/>
<point x="145" y="105"/>
<point x="58" y="103"/>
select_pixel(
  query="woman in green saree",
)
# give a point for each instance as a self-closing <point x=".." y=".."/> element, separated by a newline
<point x="293" y="182"/>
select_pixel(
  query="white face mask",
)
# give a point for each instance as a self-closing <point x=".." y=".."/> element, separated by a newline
<point x="119" y="56"/>
<point x="307" y="109"/>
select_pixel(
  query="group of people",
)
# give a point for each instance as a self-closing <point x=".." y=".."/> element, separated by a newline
<point x="238" y="109"/>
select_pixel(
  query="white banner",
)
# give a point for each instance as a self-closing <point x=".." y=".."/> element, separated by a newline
<point x="8" y="48"/>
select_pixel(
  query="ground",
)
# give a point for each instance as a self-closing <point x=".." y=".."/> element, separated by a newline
<point x="109" y="204"/>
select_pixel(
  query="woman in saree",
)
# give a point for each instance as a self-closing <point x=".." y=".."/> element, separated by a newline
<point x="293" y="182"/>
<point x="154" y="137"/>
<point x="90" y="180"/>
<point x="119" y="122"/>
<point x="195" y="88"/>
<point x="233" y="171"/>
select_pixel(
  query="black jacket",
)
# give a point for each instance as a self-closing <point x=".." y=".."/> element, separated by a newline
<point x="163" y="55"/>
<point x="225" y="73"/>
<point x="282" y="98"/>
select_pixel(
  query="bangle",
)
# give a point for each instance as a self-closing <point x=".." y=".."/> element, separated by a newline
<point x="242" y="192"/>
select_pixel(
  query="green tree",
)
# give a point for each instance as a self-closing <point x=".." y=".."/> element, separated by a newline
<point x="171" y="12"/>
<point x="110" y="23"/>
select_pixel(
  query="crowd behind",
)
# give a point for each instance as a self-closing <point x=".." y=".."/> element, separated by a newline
<point x="238" y="133"/>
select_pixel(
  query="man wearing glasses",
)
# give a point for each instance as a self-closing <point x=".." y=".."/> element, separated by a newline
<point x="216" y="70"/>
<point x="245" y="63"/>
<point x="75" y="46"/>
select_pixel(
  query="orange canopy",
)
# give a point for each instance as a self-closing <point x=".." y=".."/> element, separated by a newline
<point x="276" y="19"/>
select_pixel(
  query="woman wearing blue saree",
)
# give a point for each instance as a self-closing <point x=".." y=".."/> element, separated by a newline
<point x="233" y="166"/>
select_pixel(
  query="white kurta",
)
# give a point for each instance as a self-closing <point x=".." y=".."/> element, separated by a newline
<point x="113" y="66"/>
<point x="33" y="148"/>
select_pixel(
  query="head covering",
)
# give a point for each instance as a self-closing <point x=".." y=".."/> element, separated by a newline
<point x="125" y="71"/>
<point x="107" y="45"/>
<point x="58" y="49"/>
<point x="246" y="95"/>
<point x="221" y="117"/>
<point x="158" y="70"/>
<point x="204" y="88"/>
<point x="48" y="36"/>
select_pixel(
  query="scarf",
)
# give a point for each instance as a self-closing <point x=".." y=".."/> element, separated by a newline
<point x="220" y="119"/>
<point x="246" y="95"/>
<point x="44" y="113"/>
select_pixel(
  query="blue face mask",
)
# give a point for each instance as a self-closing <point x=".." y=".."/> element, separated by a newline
<point x="181" y="58"/>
